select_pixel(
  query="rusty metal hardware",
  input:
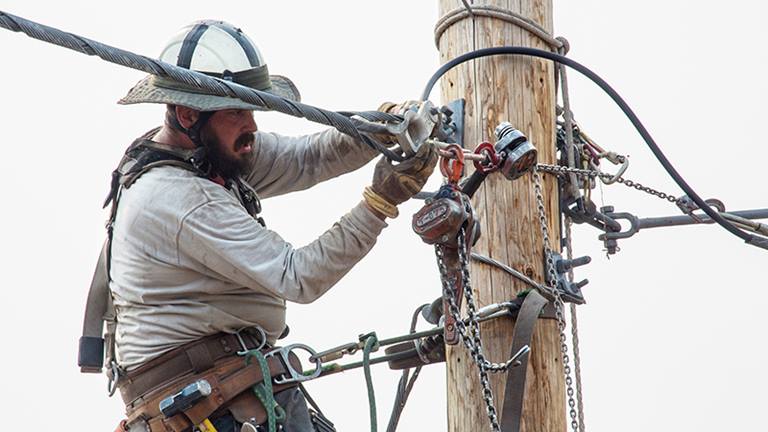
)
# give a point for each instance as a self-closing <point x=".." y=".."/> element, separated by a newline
<point x="452" y="163"/>
<point x="439" y="221"/>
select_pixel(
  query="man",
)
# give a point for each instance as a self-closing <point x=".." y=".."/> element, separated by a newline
<point x="195" y="275"/>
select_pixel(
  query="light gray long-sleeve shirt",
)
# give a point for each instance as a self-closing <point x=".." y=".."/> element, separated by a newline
<point x="189" y="261"/>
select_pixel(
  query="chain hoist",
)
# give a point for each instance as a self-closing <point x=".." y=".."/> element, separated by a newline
<point x="439" y="222"/>
<point x="448" y="221"/>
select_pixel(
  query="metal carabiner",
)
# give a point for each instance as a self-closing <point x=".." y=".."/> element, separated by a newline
<point x="295" y="376"/>
<point x="615" y="159"/>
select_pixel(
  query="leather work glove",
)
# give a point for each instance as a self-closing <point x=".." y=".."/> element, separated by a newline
<point x="395" y="184"/>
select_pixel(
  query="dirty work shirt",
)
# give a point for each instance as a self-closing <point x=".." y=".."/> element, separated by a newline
<point x="189" y="261"/>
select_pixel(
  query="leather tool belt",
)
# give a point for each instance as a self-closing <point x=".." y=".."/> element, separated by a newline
<point x="213" y="359"/>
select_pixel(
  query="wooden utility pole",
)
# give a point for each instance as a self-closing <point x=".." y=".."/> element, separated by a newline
<point x="519" y="90"/>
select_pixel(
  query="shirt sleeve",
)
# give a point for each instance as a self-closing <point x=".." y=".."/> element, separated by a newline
<point x="226" y="240"/>
<point x="284" y="164"/>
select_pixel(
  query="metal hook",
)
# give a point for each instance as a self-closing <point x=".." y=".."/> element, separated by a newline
<point x="515" y="360"/>
<point x="113" y="377"/>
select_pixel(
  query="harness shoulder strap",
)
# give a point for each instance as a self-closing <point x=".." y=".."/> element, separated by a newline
<point x="141" y="156"/>
<point x="90" y="356"/>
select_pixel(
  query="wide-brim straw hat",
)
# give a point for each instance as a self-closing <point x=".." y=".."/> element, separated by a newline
<point x="153" y="89"/>
<point x="217" y="49"/>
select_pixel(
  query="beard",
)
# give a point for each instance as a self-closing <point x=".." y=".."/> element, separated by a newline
<point x="224" y="164"/>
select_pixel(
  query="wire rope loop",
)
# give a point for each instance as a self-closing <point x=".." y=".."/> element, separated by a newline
<point x="504" y="14"/>
<point x="452" y="167"/>
<point x="491" y="162"/>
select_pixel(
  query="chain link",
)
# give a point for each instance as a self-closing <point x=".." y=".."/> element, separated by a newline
<point x="471" y="339"/>
<point x="563" y="170"/>
<point x="574" y="331"/>
<point x="473" y="343"/>
<point x="558" y="300"/>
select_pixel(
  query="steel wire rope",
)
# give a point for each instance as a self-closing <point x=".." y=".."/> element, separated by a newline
<point x="761" y="242"/>
<point x="219" y="87"/>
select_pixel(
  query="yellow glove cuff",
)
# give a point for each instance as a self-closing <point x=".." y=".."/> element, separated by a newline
<point x="386" y="106"/>
<point x="379" y="203"/>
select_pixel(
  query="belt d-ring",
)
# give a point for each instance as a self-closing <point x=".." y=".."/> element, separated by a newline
<point x="262" y="340"/>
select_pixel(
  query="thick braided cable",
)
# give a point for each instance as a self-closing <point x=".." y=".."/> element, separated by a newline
<point x="211" y="85"/>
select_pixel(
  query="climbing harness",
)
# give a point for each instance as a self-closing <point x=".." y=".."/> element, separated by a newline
<point x="140" y="157"/>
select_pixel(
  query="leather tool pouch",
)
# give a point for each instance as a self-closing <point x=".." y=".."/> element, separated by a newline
<point x="231" y="381"/>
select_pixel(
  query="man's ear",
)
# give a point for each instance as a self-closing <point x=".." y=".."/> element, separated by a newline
<point x="187" y="116"/>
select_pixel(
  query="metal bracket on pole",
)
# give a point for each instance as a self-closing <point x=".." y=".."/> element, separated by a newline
<point x="451" y="128"/>
<point x="569" y="291"/>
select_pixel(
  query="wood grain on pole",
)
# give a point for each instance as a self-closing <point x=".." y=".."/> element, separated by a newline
<point x="519" y="90"/>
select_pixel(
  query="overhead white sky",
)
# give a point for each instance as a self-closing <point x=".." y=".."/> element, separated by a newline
<point x="672" y="337"/>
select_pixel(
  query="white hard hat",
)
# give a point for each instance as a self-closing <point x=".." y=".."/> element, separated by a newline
<point x="218" y="49"/>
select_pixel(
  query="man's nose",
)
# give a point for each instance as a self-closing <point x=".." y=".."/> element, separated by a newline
<point x="250" y="123"/>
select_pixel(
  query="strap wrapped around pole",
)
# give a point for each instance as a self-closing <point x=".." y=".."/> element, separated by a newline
<point x="515" y="388"/>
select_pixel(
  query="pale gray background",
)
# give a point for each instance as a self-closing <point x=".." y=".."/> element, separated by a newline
<point x="673" y="335"/>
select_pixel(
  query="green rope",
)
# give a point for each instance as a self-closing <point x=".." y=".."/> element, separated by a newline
<point x="370" y="344"/>
<point x="264" y="392"/>
<point x="333" y="367"/>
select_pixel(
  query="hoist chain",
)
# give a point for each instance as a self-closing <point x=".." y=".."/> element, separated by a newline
<point x="559" y="169"/>
<point x="472" y="341"/>
<point x="473" y="345"/>
<point x="558" y="301"/>
<point x="574" y="331"/>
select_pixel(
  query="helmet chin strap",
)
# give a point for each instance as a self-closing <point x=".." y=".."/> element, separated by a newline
<point x="199" y="159"/>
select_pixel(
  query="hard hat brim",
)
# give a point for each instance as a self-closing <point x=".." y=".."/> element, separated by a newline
<point x="149" y="91"/>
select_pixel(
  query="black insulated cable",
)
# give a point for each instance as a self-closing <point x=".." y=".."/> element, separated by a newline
<point x="758" y="241"/>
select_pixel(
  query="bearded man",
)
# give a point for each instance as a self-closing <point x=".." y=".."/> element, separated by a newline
<point x="195" y="276"/>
